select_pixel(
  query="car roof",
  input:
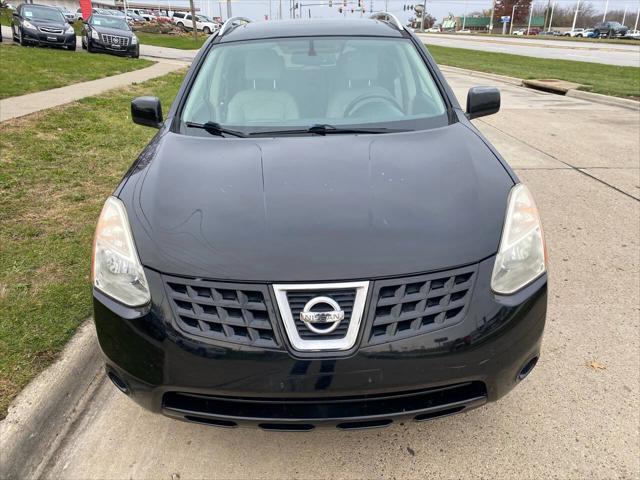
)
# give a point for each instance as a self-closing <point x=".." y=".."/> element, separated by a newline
<point x="38" y="5"/>
<point x="312" y="28"/>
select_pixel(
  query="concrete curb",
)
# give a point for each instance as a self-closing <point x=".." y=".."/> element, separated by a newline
<point x="604" y="99"/>
<point x="579" y="94"/>
<point x="45" y="410"/>
<point x="491" y="76"/>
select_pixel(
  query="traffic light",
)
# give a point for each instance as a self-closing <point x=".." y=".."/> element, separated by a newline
<point x="404" y="7"/>
<point x="340" y="10"/>
<point x="330" y="3"/>
<point x="344" y="3"/>
<point x="359" y="4"/>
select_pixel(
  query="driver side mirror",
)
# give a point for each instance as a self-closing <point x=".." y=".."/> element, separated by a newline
<point x="482" y="101"/>
<point x="147" y="111"/>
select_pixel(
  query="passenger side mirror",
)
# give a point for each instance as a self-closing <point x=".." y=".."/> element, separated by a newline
<point x="147" y="111"/>
<point x="482" y="101"/>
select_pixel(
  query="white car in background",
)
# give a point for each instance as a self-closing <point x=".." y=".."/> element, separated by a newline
<point x="576" y="32"/>
<point x="148" y="16"/>
<point x="203" y="23"/>
<point x="632" y="34"/>
<point x="464" y="30"/>
<point x="519" y="32"/>
<point x="433" y="30"/>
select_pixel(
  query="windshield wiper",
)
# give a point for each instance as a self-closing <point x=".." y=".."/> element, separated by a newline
<point x="324" y="129"/>
<point x="215" y="129"/>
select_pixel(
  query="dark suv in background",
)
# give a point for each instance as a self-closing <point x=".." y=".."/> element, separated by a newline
<point x="318" y="236"/>
<point x="34" y="24"/>
<point x="609" y="30"/>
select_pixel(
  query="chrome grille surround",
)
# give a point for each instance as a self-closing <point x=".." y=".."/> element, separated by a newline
<point x="53" y="30"/>
<point x="318" y="343"/>
<point x="115" y="40"/>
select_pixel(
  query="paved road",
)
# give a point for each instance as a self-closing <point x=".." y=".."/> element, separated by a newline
<point x="567" y="420"/>
<point x="611" y="54"/>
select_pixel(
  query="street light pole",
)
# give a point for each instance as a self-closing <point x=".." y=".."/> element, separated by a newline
<point x="575" y="16"/>
<point x="606" y="7"/>
<point x="424" y="10"/>
<point x="513" y="12"/>
<point x="553" y="6"/>
<point x="464" y="19"/>
<point x="624" y="16"/>
<point x="530" y="17"/>
<point x="493" y="7"/>
<point x="637" y="17"/>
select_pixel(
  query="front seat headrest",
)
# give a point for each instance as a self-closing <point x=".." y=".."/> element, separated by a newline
<point x="263" y="64"/>
<point x="360" y="65"/>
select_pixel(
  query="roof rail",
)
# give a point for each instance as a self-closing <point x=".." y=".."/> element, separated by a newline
<point x="231" y="23"/>
<point x="387" y="17"/>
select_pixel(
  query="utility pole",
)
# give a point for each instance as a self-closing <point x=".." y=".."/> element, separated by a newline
<point x="637" y="17"/>
<point x="575" y="16"/>
<point x="280" y="10"/>
<point x="553" y="6"/>
<point x="193" y="20"/>
<point x="424" y="11"/>
<point x="530" y="17"/>
<point x="229" y="14"/>
<point x="606" y="8"/>
<point x="624" y="16"/>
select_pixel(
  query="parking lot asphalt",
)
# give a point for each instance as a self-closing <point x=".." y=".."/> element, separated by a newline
<point x="575" y="416"/>
<point x="621" y="53"/>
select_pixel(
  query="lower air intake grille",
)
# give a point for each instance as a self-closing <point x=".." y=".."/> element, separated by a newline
<point x="412" y="306"/>
<point x="230" y="312"/>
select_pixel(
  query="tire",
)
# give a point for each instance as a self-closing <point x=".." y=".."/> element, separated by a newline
<point x="72" y="48"/>
<point x="207" y="30"/>
<point x="180" y="25"/>
<point x="82" y="43"/>
<point x="89" y="47"/>
<point x="21" y="39"/>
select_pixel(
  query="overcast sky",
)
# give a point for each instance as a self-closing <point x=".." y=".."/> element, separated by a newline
<point x="257" y="9"/>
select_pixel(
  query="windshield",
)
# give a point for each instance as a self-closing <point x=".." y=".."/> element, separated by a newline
<point x="42" y="13"/>
<point x="296" y="83"/>
<point x="109" y="22"/>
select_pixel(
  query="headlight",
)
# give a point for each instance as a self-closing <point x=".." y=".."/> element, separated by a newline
<point x="95" y="35"/>
<point x="116" y="268"/>
<point x="134" y="40"/>
<point x="522" y="255"/>
<point x="70" y="30"/>
<point x="28" y="24"/>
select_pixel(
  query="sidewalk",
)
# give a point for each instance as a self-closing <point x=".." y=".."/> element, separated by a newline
<point x="15" y="107"/>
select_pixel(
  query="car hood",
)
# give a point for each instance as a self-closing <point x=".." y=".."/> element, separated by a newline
<point x="112" y="31"/>
<point x="48" y="23"/>
<point x="316" y="208"/>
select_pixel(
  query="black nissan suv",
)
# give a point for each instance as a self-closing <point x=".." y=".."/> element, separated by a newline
<point x="318" y="236"/>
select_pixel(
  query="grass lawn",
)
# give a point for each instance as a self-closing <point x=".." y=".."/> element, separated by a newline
<point x="183" y="42"/>
<point x="32" y="69"/>
<point x="606" y="79"/>
<point x="56" y="169"/>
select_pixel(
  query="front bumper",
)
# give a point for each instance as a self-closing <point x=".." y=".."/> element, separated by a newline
<point x="435" y="374"/>
<point x="49" y="39"/>
<point x="116" y="49"/>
